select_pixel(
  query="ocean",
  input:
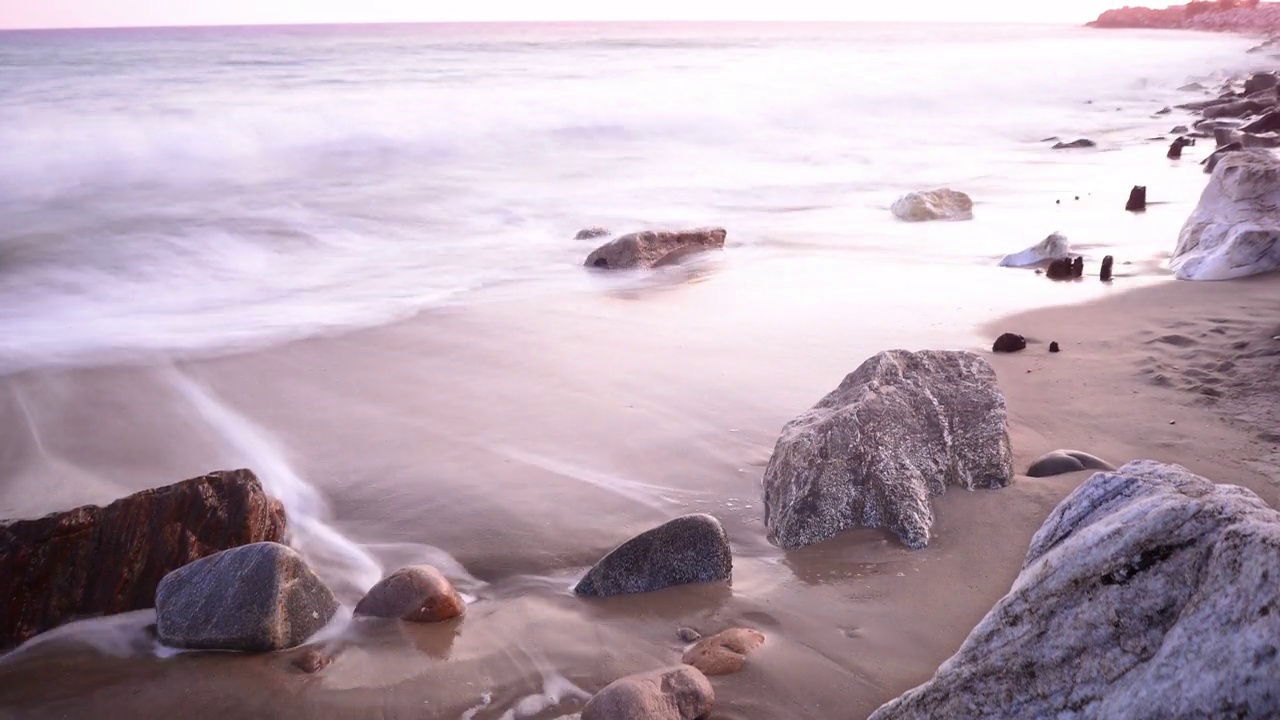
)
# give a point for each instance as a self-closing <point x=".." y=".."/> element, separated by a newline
<point x="170" y="192"/>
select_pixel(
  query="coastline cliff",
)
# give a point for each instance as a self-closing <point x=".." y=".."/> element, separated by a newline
<point x="1248" y="16"/>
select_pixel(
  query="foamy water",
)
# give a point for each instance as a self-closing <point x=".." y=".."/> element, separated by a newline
<point x="171" y="191"/>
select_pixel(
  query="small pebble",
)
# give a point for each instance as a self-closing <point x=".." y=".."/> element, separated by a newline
<point x="1173" y="422"/>
<point x="312" y="661"/>
<point x="689" y="634"/>
<point x="1053" y="346"/>
<point x="1059" y="202"/>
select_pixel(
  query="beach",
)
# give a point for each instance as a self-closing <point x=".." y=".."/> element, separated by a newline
<point x="513" y="439"/>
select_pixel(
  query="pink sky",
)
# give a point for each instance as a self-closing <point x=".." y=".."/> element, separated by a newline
<point x="110" y="13"/>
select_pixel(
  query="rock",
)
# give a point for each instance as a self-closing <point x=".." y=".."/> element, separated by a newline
<point x="1260" y="81"/>
<point x="1077" y="267"/>
<point x="1060" y="462"/>
<point x="1075" y="144"/>
<point x="674" y="693"/>
<point x="724" y="653"/>
<point x="1164" y="110"/>
<point x="1107" y="263"/>
<point x="1148" y="593"/>
<point x="1175" y="150"/>
<point x="1211" y="162"/>
<point x="1137" y="199"/>
<point x="1192" y="87"/>
<point x="419" y="593"/>
<point x="1053" y="347"/>
<point x="679" y="255"/>
<point x="1234" y="231"/>
<point x="1009" y="342"/>
<point x="643" y="249"/>
<point x="1051" y="138"/>
<point x="1265" y="124"/>
<point x="591" y="233"/>
<point x="940" y="204"/>
<point x="898" y="430"/>
<point x="1267" y="141"/>
<point x="1179" y="129"/>
<point x="255" y="598"/>
<point x="689" y="549"/>
<point x="1235" y="109"/>
<point x="1051" y="248"/>
<point x="312" y="660"/>
<point x="688" y="635"/>
<point x="1210" y="126"/>
<point x="1059" y="269"/>
<point x="104" y="560"/>
<point x="1223" y="136"/>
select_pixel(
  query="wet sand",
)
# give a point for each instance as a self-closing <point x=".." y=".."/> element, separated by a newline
<point x="513" y="443"/>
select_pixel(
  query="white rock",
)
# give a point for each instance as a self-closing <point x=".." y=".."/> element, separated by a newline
<point x="940" y="204"/>
<point x="1235" y="230"/>
<point x="1054" y="247"/>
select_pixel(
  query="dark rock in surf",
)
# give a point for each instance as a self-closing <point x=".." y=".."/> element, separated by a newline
<point x="643" y="249"/>
<point x="418" y="593"/>
<point x="591" y="233"/>
<point x="1077" y="267"/>
<point x="104" y="560"/>
<point x="1053" y="347"/>
<point x="1164" y="111"/>
<point x="255" y="598"/>
<point x="1137" y="199"/>
<point x="1236" y="109"/>
<point x="681" y="692"/>
<point x="1223" y="136"/>
<point x="1059" y="269"/>
<point x="1107" y="263"/>
<point x="1175" y="150"/>
<point x="1008" y="343"/>
<point x="686" y="550"/>
<point x="1179" y="129"/>
<point x="1267" y="123"/>
<point x="1193" y="87"/>
<point x="1075" y="144"/>
<point x="1061" y="462"/>
<point x="1259" y="82"/>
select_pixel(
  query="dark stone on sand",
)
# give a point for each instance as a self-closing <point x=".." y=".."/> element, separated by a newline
<point x="1059" y="269"/>
<point x="1137" y="199"/>
<point x="724" y="653"/>
<point x="1107" y="263"/>
<point x="312" y="660"/>
<point x="688" y="635"/>
<point x="591" y="233"/>
<point x="1061" y="462"/>
<point x="1260" y="81"/>
<point x="418" y="593"/>
<point x="686" y="550"/>
<point x="1008" y="343"/>
<point x="97" y="560"/>
<point x="643" y="249"/>
<point x="256" y="598"/>
<point x="1175" y="150"/>
<point x="1211" y="162"/>
<point x="1267" y="123"/>
<point x="1053" y="347"/>
<point x="1164" y="110"/>
<point x="1179" y="129"/>
<point x="1075" y="144"/>
<point x="680" y="692"/>
<point x="1077" y="267"/>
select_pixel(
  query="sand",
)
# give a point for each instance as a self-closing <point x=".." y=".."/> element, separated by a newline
<point x="513" y="444"/>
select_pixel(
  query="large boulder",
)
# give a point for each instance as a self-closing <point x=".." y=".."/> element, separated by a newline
<point x="900" y="429"/>
<point x="1235" y="229"/>
<point x="1148" y="593"/>
<point x="1259" y="82"/>
<point x="646" y="249"/>
<point x="1051" y="248"/>
<point x="102" y="560"/>
<point x="1236" y="109"/>
<point x="675" y="693"/>
<point x="940" y="204"/>
<point x="418" y="593"/>
<point x="689" y="549"/>
<point x="256" y="598"/>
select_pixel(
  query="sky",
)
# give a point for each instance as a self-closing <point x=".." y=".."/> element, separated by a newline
<point x="126" y="13"/>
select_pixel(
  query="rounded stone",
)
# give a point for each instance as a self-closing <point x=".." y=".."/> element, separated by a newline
<point x="680" y="692"/>
<point x="724" y="653"/>
<point x="418" y="593"/>
<point x="1061" y="462"/>
<point x="688" y="549"/>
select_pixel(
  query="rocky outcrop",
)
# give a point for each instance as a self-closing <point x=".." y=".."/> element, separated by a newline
<point x="689" y="549"/>
<point x="1061" y="462"/>
<point x="940" y="204"/>
<point x="646" y="249"/>
<point x="1260" y="82"/>
<point x="419" y="593"/>
<point x="103" y="560"/>
<point x="1235" y="229"/>
<point x="674" y="693"/>
<point x="256" y="598"/>
<point x="1051" y="248"/>
<point x="1235" y="109"/>
<point x="1148" y="593"/>
<point x="900" y="429"/>
<point x="1209" y="15"/>
<point x="724" y="653"/>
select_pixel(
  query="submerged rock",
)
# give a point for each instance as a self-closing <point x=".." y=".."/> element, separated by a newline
<point x="104" y="560"/>
<point x="689" y="549"/>
<point x="1059" y="269"/>
<point x="1234" y="231"/>
<point x="675" y="693"/>
<point x="418" y="593"/>
<point x="724" y="653"/>
<point x="591" y="233"/>
<point x="1148" y="593"/>
<point x="1009" y="343"/>
<point x="940" y="204"/>
<point x="644" y="249"/>
<point x="1061" y="462"/>
<point x="1077" y="267"/>
<point x="900" y="429"/>
<point x="1107" y="263"/>
<point x="1137" y="199"/>
<point x="1175" y="150"/>
<point x="256" y="598"/>
<point x="1075" y="144"/>
<point x="1051" y="248"/>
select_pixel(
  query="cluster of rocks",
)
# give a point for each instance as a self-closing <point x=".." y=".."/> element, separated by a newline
<point x="1208" y="15"/>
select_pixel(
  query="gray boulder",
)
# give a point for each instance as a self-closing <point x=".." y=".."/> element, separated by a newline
<point x="675" y="693"/>
<point x="689" y="549"/>
<point x="254" y="598"/>
<point x="591" y="233"/>
<point x="645" y="249"/>
<point x="1148" y="593"/>
<point x="1061" y="462"/>
<point x="1075" y="144"/>
<point x="1259" y="82"/>
<point x="1234" y="231"/>
<point x="900" y="429"/>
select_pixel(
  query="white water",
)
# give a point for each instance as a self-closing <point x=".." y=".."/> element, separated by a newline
<point x="176" y="191"/>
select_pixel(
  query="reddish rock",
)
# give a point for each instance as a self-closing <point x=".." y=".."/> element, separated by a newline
<point x="102" y="560"/>
<point x="725" y="653"/>
<point x="419" y="593"/>
<point x="644" y="249"/>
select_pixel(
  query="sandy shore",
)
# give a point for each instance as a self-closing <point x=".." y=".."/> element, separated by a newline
<point x="513" y="444"/>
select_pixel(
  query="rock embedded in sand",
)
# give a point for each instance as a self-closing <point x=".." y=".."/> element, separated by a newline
<point x="1178" y="129"/>
<point x="104" y="560"/>
<point x="1059" y="269"/>
<point x="418" y="593"/>
<point x="1009" y="343"/>
<point x="1148" y="593"/>
<point x="256" y="598"/>
<point x="1053" y="347"/>
<point x="1075" y="144"/>
<point x="591" y="233"/>
<point x="312" y="660"/>
<point x="898" y="430"/>
<point x="1060" y="462"/>
<point x="1107" y="263"/>
<point x="645" y="249"/>
<point x="680" y="692"/>
<point x="1234" y="231"/>
<point x="1137" y="199"/>
<point x="940" y="204"/>
<point x="686" y="550"/>
<point x="1051" y="248"/>
<point x="1077" y="267"/>
<point x="724" y="653"/>
<point x="1175" y="150"/>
